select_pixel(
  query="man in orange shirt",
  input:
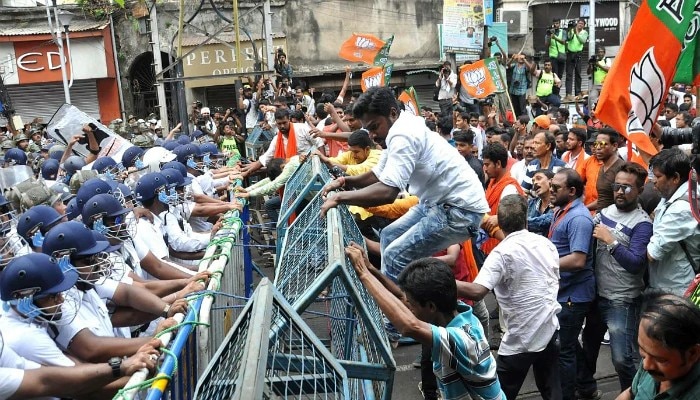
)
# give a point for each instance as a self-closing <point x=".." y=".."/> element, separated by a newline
<point x="575" y="156"/>
<point x="589" y="171"/>
<point x="500" y="184"/>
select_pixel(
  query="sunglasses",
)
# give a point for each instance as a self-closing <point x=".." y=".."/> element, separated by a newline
<point x="626" y="189"/>
<point x="600" y="144"/>
<point x="555" y="188"/>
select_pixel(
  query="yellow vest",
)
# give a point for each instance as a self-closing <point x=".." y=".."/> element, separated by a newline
<point x="599" y="75"/>
<point x="545" y="84"/>
<point x="555" y="47"/>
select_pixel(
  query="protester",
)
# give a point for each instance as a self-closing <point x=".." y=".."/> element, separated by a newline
<point x="670" y="349"/>
<point x="424" y="306"/>
<point x="523" y="272"/>
<point x="674" y="249"/>
<point x="623" y="231"/>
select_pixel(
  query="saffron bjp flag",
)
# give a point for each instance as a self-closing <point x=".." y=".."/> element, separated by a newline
<point x="638" y="81"/>
<point x="481" y="78"/>
<point x="366" y="48"/>
<point x="410" y="100"/>
<point x="376" y="76"/>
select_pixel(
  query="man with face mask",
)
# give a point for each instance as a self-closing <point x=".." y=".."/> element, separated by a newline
<point x="33" y="288"/>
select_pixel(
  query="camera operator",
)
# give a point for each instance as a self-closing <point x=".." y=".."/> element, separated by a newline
<point x="447" y="82"/>
<point x="206" y="123"/>
<point x="577" y="37"/>
<point x="520" y="81"/>
<point x="284" y="91"/>
<point x="282" y="68"/>
<point x="598" y="66"/>
<point x="555" y="41"/>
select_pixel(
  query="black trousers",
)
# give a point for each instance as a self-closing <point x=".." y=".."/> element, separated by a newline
<point x="559" y="66"/>
<point x="430" y="389"/>
<point x="573" y="72"/>
<point x="512" y="371"/>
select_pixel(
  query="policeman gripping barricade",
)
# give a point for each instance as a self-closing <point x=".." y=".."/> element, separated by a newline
<point x="315" y="333"/>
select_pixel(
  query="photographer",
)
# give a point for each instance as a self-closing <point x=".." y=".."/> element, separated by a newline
<point x="206" y="123"/>
<point x="555" y="41"/>
<point x="447" y="82"/>
<point x="282" y="68"/>
<point x="284" y="91"/>
<point x="269" y="89"/>
<point x="577" y="37"/>
<point x="598" y="66"/>
<point x="519" y="83"/>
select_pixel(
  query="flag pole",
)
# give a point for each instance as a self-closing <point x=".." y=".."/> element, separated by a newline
<point x="510" y="102"/>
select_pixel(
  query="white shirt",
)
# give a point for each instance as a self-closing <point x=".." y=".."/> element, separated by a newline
<point x="251" y="117"/>
<point x="523" y="272"/>
<point x="180" y="240"/>
<point x="447" y="86"/>
<point x="30" y="340"/>
<point x="433" y="169"/>
<point x="519" y="170"/>
<point x="153" y="234"/>
<point x="12" y="368"/>
<point x="479" y="139"/>
<point x="92" y="315"/>
<point x="206" y="182"/>
<point x="679" y="97"/>
<point x="304" y="143"/>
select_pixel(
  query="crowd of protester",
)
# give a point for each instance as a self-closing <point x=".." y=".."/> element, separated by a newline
<point x="549" y="211"/>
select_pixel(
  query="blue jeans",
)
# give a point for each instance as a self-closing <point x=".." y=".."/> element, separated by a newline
<point x="423" y="231"/>
<point x="621" y="320"/>
<point x="272" y="208"/>
<point x="571" y="319"/>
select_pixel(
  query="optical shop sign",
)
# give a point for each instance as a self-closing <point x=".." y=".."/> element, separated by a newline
<point x="216" y="59"/>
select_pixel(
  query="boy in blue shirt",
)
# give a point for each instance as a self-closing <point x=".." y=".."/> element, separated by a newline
<point x="424" y="306"/>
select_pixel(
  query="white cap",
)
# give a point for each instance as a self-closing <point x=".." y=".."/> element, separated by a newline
<point x="205" y="110"/>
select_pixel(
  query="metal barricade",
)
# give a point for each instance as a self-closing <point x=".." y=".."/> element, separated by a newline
<point x="308" y="179"/>
<point x="188" y="354"/>
<point x="315" y="277"/>
<point x="313" y="264"/>
<point x="272" y="353"/>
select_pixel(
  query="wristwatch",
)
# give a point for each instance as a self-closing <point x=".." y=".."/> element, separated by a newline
<point x="612" y="246"/>
<point x="116" y="364"/>
<point x="166" y="309"/>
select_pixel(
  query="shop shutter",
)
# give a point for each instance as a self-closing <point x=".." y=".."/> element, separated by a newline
<point x="425" y="97"/>
<point x="31" y="101"/>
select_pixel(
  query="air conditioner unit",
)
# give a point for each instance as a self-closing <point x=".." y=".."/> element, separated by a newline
<point x="516" y="20"/>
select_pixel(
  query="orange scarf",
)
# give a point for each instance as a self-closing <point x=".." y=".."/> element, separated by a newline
<point x="286" y="153"/>
<point x="291" y="149"/>
<point x="493" y="196"/>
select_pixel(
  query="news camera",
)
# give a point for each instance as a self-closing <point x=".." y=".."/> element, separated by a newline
<point x="680" y="136"/>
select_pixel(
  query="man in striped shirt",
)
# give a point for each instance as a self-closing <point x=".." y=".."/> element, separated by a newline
<point x="424" y="306"/>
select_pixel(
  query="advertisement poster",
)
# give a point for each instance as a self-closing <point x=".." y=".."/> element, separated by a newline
<point x="463" y="26"/>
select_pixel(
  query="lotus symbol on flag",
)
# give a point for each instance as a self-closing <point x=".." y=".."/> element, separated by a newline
<point x="475" y="78"/>
<point x="647" y="84"/>
<point x="364" y="43"/>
